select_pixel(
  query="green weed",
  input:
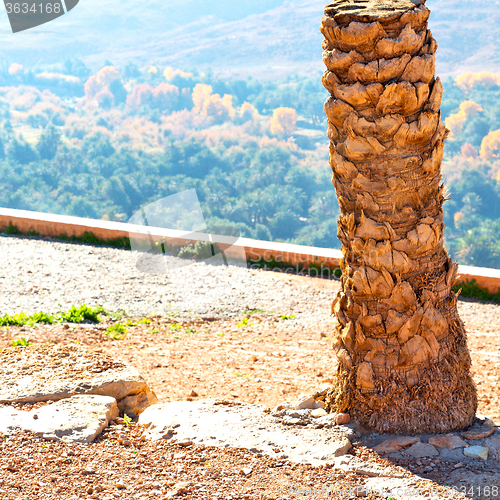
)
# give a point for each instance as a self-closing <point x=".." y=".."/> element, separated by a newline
<point x="116" y="331"/>
<point x="82" y="313"/>
<point x="146" y="321"/>
<point x="22" y="342"/>
<point x="471" y="290"/>
<point x="285" y="317"/>
<point x="127" y="420"/>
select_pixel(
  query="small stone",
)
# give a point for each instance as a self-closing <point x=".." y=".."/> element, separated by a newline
<point x="493" y="445"/>
<point x="450" y="441"/>
<point x="120" y="485"/>
<point x="319" y="405"/>
<point x="360" y="491"/>
<point x="281" y="407"/>
<point x="89" y="470"/>
<point x="193" y="394"/>
<point x="476" y="452"/>
<point x="179" y="489"/>
<point x="185" y="443"/>
<point x="458" y="466"/>
<point x="395" y="444"/>
<point x="421" y="450"/>
<point x="318" y="413"/>
<point x="455" y="455"/>
<point x="478" y="433"/>
<point x="340" y="447"/>
<point x="342" y="418"/>
<point x="246" y="471"/>
<point x="304" y="402"/>
<point x="485" y="421"/>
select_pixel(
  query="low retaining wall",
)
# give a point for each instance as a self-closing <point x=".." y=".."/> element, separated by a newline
<point x="297" y="255"/>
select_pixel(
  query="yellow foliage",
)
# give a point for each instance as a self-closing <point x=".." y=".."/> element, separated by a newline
<point x="283" y="121"/>
<point x="170" y="73"/>
<point x="490" y="147"/>
<point x="15" y="68"/>
<point x="456" y="122"/>
<point x="212" y="106"/>
<point x="467" y="81"/>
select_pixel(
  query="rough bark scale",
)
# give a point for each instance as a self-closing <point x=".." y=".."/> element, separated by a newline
<point x="404" y="366"/>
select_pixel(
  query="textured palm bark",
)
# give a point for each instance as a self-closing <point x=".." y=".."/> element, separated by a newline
<point x="404" y="366"/>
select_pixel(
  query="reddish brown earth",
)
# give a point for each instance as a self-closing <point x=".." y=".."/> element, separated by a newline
<point x="258" y="357"/>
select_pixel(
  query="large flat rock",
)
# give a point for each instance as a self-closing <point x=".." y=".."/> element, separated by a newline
<point x="45" y="372"/>
<point x="246" y="426"/>
<point x="78" y="419"/>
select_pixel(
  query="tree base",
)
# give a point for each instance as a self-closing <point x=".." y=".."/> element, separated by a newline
<point x="445" y="400"/>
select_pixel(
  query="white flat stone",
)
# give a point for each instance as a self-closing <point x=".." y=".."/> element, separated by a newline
<point x="44" y="372"/>
<point x="476" y="452"/>
<point x="246" y="426"/>
<point x="79" y="419"/>
<point x="421" y="450"/>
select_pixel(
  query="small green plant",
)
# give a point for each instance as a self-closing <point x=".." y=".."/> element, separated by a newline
<point x="82" y="313"/>
<point x="20" y="319"/>
<point x="153" y="330"/>
<point x="200" y="251"/>
<point x="146" y="321"/>
<point x="190" y="329"/>
<point x="41" y="317"/>
<point x="116" y="331"/>
<point x="22" y="342"/>
<point x="471" y="290"/>
<point x="11" y="229"/>
<point x="175" y="327"/>
<point x="243" y="323"/>
<point x="284" y="317"/>
<point x="127" y="420"/>
<point x="130" y="323"/>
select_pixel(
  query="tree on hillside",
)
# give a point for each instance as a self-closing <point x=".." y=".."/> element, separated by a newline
<point x="404" y="366"/>
<point x="49" y="142"/>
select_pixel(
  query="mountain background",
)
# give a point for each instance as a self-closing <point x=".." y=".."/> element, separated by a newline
<point x="267" y="39"/>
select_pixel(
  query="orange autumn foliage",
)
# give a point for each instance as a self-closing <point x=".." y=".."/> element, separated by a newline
<point x="468" y="80"/>
<point x="101" y="81"/>
<point x="490" y="146"/>
<point x="456" y="121"/>
<point x="213" y="107"/>
<point x="283" y="121"/>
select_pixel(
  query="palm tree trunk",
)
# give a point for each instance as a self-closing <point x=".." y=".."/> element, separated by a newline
<point x="404" y="366"/>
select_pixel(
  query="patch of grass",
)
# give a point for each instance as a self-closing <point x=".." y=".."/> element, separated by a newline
<point x="154" y="330"/>
<point x="116" y="331"/>
<point x="82" y="313"/>
<point x="22" y="342"/>
<point x="145" y="321"/>
<point x="11" y="229"/>
<point x="471" y="290"/>
<point x="190" y="329"/>
<point x="87" y="238"/>
<point x="91" y="239"/>
<point x="175" y="327"/>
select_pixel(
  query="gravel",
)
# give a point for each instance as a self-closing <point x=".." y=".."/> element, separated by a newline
<point x="40" y="275"/>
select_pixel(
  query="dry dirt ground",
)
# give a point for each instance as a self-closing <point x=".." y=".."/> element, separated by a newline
<point x="265" y="357"/>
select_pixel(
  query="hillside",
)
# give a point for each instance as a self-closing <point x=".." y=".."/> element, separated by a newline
<point x="267" y="38"/>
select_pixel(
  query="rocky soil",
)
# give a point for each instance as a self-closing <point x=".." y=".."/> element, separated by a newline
<point x="250" y="337"/>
